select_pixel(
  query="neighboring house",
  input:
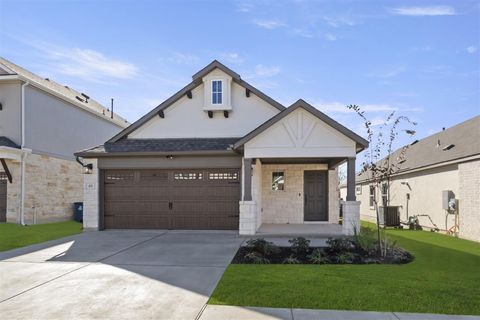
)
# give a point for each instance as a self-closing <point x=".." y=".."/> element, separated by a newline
<point x="447" y="160"/>
<point x="220" y="154"/>
<point x="42" y="123"/>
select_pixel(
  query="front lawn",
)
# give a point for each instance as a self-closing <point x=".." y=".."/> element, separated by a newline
<point x="15" y="236"/>
<point x="443" y="278"/>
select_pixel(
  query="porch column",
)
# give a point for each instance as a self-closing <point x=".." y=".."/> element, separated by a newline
<point x="247" y="179"/>
<point x="351" y="180"/>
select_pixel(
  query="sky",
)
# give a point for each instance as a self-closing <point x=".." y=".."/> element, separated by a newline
<point x="420" y="59"/>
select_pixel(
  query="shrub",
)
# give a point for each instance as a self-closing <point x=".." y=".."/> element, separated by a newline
<point x="263" y="246"/>
<point x="339" y="245"/>
<point x="256" y="258"/>
<point x="300" y="246"/>
<point x="365" y="240"/>
<point x="318" y="256"/>
<point x="291" y="260"/>
<point x="345" y="257"/>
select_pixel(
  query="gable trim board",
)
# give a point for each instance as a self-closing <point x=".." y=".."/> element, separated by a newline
<point x="197" y="81"/>
<point x="361" y="143"/>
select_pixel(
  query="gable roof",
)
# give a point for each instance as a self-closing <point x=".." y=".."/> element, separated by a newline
<point x="360" y="142"/>
<point x="196" y="81"/>
<point x="161" y="146"/>
<point x="455" y="143"/>
<point x="9" y="69"/>
<point x="6" y="142"/>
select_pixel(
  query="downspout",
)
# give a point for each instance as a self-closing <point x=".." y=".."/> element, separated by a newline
<point x="23" y="157"/>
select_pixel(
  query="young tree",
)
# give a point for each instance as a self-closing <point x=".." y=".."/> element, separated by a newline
<point x="381" y="162"/>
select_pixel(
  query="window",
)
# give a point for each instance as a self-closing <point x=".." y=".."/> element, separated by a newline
<point x="372" y="196"/>
<point x="187" y="176"/>
<point x="384" y="194"/>
<point x="223" y="176"/>
<point x="217" y="92"/>
<point x="278" y="181"/>
<point x="358" y="190"/>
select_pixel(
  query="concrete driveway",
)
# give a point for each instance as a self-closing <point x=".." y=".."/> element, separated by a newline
<point x="115" y="275"/>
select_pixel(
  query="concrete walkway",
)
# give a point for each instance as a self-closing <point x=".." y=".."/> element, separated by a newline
<point x="115" y="275"/>
<point x="212" y="312"/>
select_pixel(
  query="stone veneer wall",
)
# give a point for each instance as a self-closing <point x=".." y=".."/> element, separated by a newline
<point x="14" y="192"/>
<point x="52" y="185"/>
<point x="469" y="200"/>
<point x="287" y="206"/>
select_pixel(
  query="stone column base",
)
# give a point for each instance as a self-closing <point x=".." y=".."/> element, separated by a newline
<point x="351" y="217"/>
<point x="248" y="218"/>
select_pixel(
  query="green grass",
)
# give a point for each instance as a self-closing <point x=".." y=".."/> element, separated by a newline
<point x="443" y="278"/>
<point x="15" y="236"/>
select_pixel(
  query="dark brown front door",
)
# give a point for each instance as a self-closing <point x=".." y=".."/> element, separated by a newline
<point x="315" y="191"/>
<point x="3" y="197"/>
<point x="172" y="199"/>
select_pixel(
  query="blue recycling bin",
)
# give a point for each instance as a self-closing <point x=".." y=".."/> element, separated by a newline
<point x="78" y="211"/>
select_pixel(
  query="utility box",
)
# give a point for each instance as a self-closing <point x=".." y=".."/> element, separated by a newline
<point x="389" y="216"/>
<point x="447" y="195"/>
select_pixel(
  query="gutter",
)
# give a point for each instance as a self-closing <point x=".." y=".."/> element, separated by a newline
<point x="23" y="156"/>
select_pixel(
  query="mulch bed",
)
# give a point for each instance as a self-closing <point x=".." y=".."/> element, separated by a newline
<point x="400" y="256"/>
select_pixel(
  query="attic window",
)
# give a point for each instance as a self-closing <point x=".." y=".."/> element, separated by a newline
<point x="448" y="147"/>
<point x="217" y="92"/>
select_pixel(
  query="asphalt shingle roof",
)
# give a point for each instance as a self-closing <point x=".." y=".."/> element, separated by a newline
<point x="5" y="142"/>
<point x="9" y="68"/>
<point x="161" y="146"/>
<point x="437" y="148"/>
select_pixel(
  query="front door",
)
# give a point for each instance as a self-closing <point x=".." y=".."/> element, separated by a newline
<point x="315" y="191"/>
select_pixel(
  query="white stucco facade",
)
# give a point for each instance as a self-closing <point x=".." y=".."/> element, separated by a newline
<point x="425" y="188"/>
<point x="187" y="118"/>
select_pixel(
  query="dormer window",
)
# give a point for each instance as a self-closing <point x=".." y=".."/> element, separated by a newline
<point x="217" y="92"/>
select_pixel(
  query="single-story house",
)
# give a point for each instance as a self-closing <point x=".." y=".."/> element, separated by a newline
<point x="42" y="123"/>
<point x="438" y="168"/>
<point x="220" y="154"/>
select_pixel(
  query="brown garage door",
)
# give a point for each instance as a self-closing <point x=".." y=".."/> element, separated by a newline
<point x="3" y="197"/>
<point x="172" y="199"/>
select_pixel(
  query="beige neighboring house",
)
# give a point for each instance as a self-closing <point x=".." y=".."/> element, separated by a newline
<point x="42" y="123"/>
<point x="220" y="154"/>
<point x="445" y="161"/>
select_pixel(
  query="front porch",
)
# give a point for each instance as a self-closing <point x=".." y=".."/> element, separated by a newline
<point x="290" y="175"/>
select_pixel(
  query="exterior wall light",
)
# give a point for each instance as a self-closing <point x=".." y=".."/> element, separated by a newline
<point x="88" y="168"/>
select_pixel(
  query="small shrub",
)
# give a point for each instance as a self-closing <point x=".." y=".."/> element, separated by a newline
<point x="365" y="240"/>
<point x="291" y="260"/>
<point x="256" y="258"/>
<point x="300" y="246"/>
<point x="263" y="246"/>
<point x="318" y="256"/>
<point x="339" y="245"/>
<point x="345" y="257"/>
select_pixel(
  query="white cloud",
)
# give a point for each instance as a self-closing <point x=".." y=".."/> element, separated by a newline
<point x="387" y="73"/>
<point x="302" y="33"/>
<point x="183" y="58"/>
<point x="472" y="49"/>
<point x="338" y="21"/>
<point x="340" y="107"/>
<point x="245" y="7"/>
<point x="232" y="57"/>
<point x="264" y="71"/>
<point x="330" y="37"/>
<point x="269" y="24"/>
<point x="86" y="64"/>
<point x="424" y="11"/>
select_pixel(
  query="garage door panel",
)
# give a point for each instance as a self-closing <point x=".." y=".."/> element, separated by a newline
<point x="172" y="199"/>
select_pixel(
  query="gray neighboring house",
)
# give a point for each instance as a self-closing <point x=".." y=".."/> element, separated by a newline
<point x="42" y="123"/>
<point x="220" y="154"/>
<point x="447" y="160"/>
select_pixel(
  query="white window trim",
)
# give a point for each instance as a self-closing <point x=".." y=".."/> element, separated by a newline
<point x="211" y="92"/>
